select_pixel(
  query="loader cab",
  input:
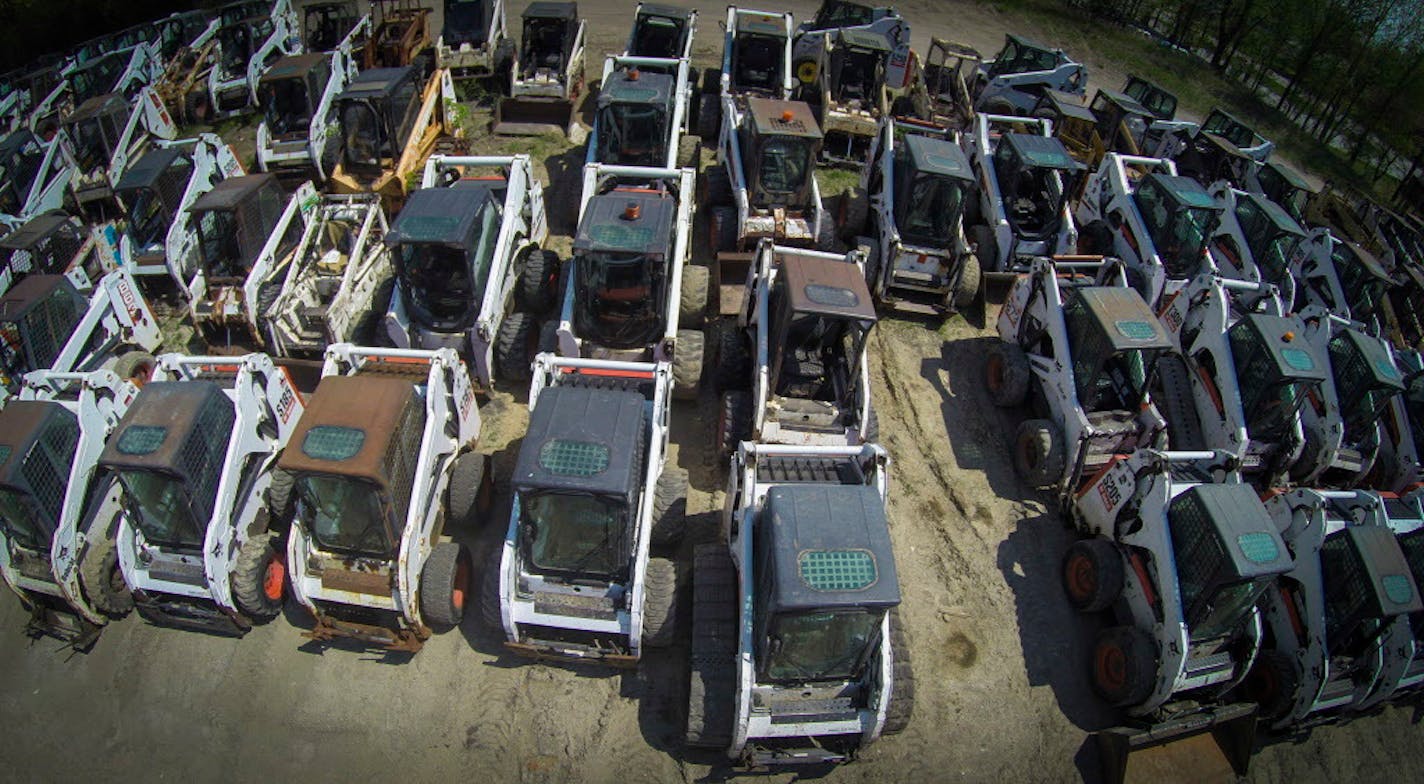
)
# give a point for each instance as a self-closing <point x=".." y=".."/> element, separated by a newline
<point x="634" y="110"/>
<point x="1271" y="235"/>
<point x="659" y="31"/>
<point x="821" y="317"/>
<point x="21" y="155"/>
<point x="150" y="193"/>
<point x="1276" y="370"/>
<point x="37" y="317"/>
<point x="1035" y="174"/>
<point x="622" y="258"/>
<point x="234" y="220"/>
<point x="578" y="482"/>
<point x="857" y="69"/>
<point x="95" y="77"/>
<point x="1366" y="379"/>
<point x="289" y="92"/>
<point x="168" y="453"/>
<point x="548" y="41"/>
<point x="353" y="459"/>
<point x="1284" y="186"/>
<point x="758" y="57"/>
<point x="948" y="71"/>
<point x="398" y="32"/>
<point x="780" y="146"/>
<point x="38" y="440"/>
<point x="1120" y="121"/>
<point x="178" y="30"/>
<point x="824" y="577"/>
<point x="443" y="243"/>
<point x="1162" y="104"/>
<point x="1208" y="158"/>
<point x="1021" y="55"/>
<point x="1227" y="553"/>
<point x="1115" y="341"/>
<point x="1219" y="123"/>
<point x="1073" y="123"/>
<point x="1362" y="278"/>
<point x="1180" y="216"/>
<point x="325" y="25"/>
<point x="933" y="179"/>
<point x="46" y="244"/>
<point x="94" y="130"/>
<point x="377" y="111"/>
<point x="838" y="13"/>
<point x="237" y="43"/>
<point x="1367" y="585"/>
<point x="467" y="22"/>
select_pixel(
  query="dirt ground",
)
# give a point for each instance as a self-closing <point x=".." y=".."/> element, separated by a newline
<point x="998" y="655"/>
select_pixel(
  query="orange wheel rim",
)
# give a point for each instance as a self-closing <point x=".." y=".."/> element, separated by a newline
<point x="274" y="578"/>
<point x="1082" y="581"/>
<point x="462" y="579"/>
<point x="996" y="372"/>
<point x="1111" y="665"/>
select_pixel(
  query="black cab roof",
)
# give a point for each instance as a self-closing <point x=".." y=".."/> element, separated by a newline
<point x="231" y="192"/>
<point x="146" y="170"/>
<point x="626" y="221"/>
<point x="829" y="546"/>
<point x="584" y="439"/>
<point x="442" y="216"/>
<point x="937" y="156"/>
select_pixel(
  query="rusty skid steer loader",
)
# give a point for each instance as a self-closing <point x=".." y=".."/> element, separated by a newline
<point x="546" y="78"/>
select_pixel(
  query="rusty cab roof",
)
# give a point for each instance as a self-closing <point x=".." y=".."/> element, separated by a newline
<point x="783" y="118"/>
<point x="631" y="221"/>
<point x="828" y="288"/>
<point x="159" y="423"/>
<point x="348" y="426"/>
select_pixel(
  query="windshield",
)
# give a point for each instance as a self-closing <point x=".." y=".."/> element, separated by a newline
<point x="92" y="146"/>
<point x="816" y="646"/>
<point x="435" y="280"/>
<point x="577" y="534"/>
<point x="159" y="506"/>
<point x="757" y="62"/>
<point x="835" y="13"/>
<point x="326" y="25"/>
<point x="856" y="80"/>
<point x="621" y="299"/>
<point x="1179" y="233"/>
<point x="217" y="242"/>
<point x="931" y="211"/>
<point x="147" y="217"/>
<point x="1016" y="59"/>
<point x="1032" y="196"/>
<point x="1228" y="129"/>
<point x="236" y="43"/>
<point x="22" y="521"/>
<point x="18" y="170"/>
<point x="465" y="21"/>
<point x="344" y="515"/>
<point x="785" y="167"/>
<point x="631" y="134"/>
<point x="1363" y="291"/>
<point x="657" y="36"/>
<point x="1227" y="608"/>
<point x="285" y="107"/>
<point x="364" y="136"/>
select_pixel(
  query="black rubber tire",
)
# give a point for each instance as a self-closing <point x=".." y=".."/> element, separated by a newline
<point x="1093" y="573"/>
<point x="489" y="589"/>
<point x="998" y="106"/>
<point x="279" y="494"/>
<point x="712" y="688"/>
<point x="986" y="248"/>
<point x="258" y="560"/>
<point x="1039" y="454"/>
<point x="1311" y="452"/>
<point x="669" y="507"/>
<point x="709" y="116"/>
<point x="515" y="346"/>
<point x="445" y="585"/>
<point x="966" y="290"/>
<point x="659" y="603"/>
<point x="101" y="578"/>
<point x="902" y="679"/>
<point x="734" y="357"/>
<point x="692" y="300"/>
<point x="722" y="229"/>
<point x="1272" y="683"/>
<point x="1007" y="374"/>
<point x="854" y="211"/>
<point x="135" y="366"/>
<point x="1096" y="239"/>
<point x="734" y="420"/>
<point x="826" y="234"/>
<point x="687" y="364"/>
<point x="331" y="154"/>
<point x="467" y="494"/>
<point x="537" y="279"/>
<point x="549" y="337"/>
<point x="716" y="187"/>
<point x="1123" y="665"/>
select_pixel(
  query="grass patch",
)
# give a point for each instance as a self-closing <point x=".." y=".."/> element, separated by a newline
<point x="834" y="182"/>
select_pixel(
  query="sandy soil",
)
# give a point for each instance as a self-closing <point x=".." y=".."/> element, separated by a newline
<point x="999" y="656"/>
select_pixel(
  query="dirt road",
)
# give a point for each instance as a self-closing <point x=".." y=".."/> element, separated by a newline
<point x="998" y="655"/>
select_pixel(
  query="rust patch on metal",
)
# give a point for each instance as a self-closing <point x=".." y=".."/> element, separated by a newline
<point x="374" y="583"/>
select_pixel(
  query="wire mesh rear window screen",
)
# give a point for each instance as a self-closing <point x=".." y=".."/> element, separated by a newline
<point x="1196" y="547"/>
<point x="201" y="460"/>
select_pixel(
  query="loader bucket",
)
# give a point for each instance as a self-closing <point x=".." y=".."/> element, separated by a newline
<point x="1233" y="727"/>
<point x="533" y="116"/>
<point x="996" y="286"/>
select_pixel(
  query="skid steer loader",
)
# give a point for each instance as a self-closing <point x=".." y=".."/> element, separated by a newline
<point x="642" y="113"/>
<point x="474" y="42"/>
<point x="1138" y="210"/>
<point x="1343" y="425"/>
<point x="47" y="324"/>
<point x="1177" y="556"/>
<point x="1080" y="349"/>
<point x="299" y="128"/>
<point x="1249" y="368"/>
<point x="54" y="243"/>
<point x="1405" y="517"/>
<point x="1157" y="100"/>
<point x="194" y="455"/>
<point x="1284" y="186"/>
<point x="379" y="467"/>
<point x="1026" y="178"/>
<point x="326" y="26"/>
<point x="330" y="289"/>
<point x="798" y="654"/>
<point x="1255" y="240"/>
<point x="1337" y="627"/>
<point x="1170" y="139"/>
<point x="845" y="82"/>
<point x="939" y="94"/>
<point x="573" y="579"/>
<point x="1011" y="82"/>
<point x="245" y="49"/>
<point x="1345" y="279"/>
<point x="471" y="271"/>
<point x="391" y="120"/>
<point x="36" y="175"/>
<point x="51" y="439"/>
<point x="399" y="37"/>
<point x="155" y="234"/>
<point x="842" y="15"/>
<point x="793" y="369"/>
<point x="247" y="229"/>
<point x="1112" y="122"/>
<point x="547" y="74"/>
<point x="632" y="292"/>
<point x="108" y="135"/>
<point x="662" y="32"/>
<point x="916" y="187"/>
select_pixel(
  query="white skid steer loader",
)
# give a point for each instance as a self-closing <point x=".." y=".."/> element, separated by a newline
<point x="380" y="467"/>
<point x="108" y="134"/>
<point x="194" y="456"/>
<point x="1256" y="240"/>
<point x="546" y="76"/>
<point x="52" y="437"/>
<point x="245" y="49"/>
<point x="51" y="166"/>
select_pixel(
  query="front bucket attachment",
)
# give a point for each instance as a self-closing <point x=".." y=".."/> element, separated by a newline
<point x="996" y="285"/>
<point x="532" y="116"/>
<point x="1233" y="727"/>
